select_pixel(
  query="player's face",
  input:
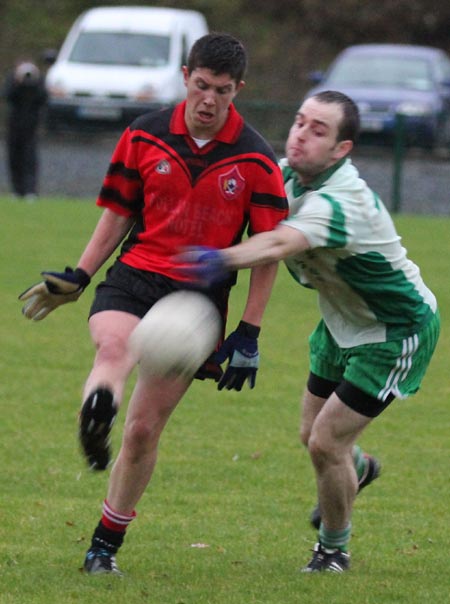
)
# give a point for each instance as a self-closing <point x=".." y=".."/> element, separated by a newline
<point x="208" y="99"/>
<point x="312" y="145"/>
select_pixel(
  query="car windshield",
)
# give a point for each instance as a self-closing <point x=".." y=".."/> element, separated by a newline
<point x="373" y="72"/>
<point x="114" y="48"/>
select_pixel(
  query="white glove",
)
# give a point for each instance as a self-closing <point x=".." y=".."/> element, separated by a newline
<point x="56" y="289"/>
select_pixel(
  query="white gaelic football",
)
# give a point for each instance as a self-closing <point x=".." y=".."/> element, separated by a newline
<point x="177" y="334"/>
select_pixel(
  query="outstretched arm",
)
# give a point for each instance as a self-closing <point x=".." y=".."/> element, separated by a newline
<point x="206" y="265"/>
<point x="265" y="248"/>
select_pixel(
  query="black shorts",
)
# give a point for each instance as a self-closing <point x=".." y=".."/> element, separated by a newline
<point x="135" y="291"/>
<point x="350" y="395"/>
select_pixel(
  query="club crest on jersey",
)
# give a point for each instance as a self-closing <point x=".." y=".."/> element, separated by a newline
<point x="163" y="167"/>
<point x="231" y="183"/>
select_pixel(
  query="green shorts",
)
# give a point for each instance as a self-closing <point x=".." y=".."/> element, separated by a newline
<point x="384" y="370"/>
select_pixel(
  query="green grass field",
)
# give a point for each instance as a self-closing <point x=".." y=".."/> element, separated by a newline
<point x="231" y="473"/>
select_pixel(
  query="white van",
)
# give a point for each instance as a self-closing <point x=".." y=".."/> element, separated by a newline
<point x="119" y="62"/>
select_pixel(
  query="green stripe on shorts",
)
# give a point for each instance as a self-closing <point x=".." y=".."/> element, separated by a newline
<point x="396" y="367"/>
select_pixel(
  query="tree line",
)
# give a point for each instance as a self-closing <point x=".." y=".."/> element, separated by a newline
<point x="286" y="39"/>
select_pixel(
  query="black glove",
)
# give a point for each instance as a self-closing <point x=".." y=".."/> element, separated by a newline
<point x="241" y="348"/>
<point x="56" y="289"/>
<point x="210" y="370"/>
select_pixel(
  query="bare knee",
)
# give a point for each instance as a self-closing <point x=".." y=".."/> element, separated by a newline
<point x="140" y="438"/>
<point x="319" y="444"/>
<point x="311" y="407"/>
<point x="142" y="433"/>
<point x="111" y="349"/>
<point x="322" y="450"/>
<point x="304" y="434"/>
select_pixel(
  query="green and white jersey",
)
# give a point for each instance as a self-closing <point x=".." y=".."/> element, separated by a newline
<point x="369" y="291"/>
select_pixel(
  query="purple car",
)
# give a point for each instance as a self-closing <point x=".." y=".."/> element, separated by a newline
<point x="390" y="79"/>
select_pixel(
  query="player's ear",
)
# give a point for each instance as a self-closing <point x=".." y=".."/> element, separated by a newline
<point x="239" y="86"/>
<point x="343" y="148"/>
<point x="185" y="71"/>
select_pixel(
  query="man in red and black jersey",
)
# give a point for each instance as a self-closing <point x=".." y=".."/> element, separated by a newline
<point x="195" y="175"/>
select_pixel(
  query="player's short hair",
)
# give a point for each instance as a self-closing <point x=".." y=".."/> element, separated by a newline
<point x="348" y="128"/>
<point x="221" y="53"/>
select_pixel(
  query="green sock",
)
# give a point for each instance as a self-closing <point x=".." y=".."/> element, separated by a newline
<point x="335" y="539"/>
<point x="340" y="539"/>
<point x="359" y="460"/>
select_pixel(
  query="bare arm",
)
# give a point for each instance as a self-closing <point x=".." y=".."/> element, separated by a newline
<point x="265" y="248"/>
<point x="109" y="232"/>
<point x="262" y="279"/>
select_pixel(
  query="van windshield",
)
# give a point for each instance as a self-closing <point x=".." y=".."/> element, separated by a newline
<point x="121" y="48"/>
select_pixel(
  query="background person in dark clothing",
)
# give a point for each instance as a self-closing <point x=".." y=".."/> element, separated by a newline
<point x="25" y="95"/>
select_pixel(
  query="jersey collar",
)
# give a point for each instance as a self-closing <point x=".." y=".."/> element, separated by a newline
<point x="228" y="134"/>
<point x="299" y="188"/>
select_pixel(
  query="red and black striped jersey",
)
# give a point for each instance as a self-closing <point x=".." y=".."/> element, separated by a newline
<point x="182" y="195"/>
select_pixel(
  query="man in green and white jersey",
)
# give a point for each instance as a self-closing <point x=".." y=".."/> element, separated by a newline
<point x="369" y="291"/>
<point x="380" y="322"/>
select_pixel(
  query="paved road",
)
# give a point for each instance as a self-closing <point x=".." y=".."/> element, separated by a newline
<point x="74" y="165"/>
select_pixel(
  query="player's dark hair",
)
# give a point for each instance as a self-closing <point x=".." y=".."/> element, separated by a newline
<point x="348" y="129"/>
<point x="221" y="53"/>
